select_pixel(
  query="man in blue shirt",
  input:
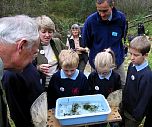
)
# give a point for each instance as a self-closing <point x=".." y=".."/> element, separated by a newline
<point x="105" y="29"/>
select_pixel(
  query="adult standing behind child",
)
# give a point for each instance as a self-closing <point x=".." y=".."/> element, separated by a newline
<point x="105" y="29"/>
<point x="75" y="42"/>
<point x="68" y="81"/>
<point x="49" y="49"/>
<point x="137" y="95"/>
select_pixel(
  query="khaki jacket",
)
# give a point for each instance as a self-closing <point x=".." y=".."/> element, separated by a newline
<point x="3" y="103"/>
<point x="56" y="45"/>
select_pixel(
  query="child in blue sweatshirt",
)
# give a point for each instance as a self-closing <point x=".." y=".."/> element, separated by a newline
<point x="68" y="81"/>
<point x="137" y="95"/>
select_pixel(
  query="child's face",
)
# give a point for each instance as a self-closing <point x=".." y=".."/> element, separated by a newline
<point x="104" y="71"/>
<point x="69" y="71"/>
<point x="136" y="57"/>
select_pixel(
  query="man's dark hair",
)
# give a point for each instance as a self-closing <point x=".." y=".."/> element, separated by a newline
<point x="108" y="1"/>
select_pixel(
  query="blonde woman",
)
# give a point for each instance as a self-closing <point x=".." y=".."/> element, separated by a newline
<point x="49" y="49"/>
<point x="68" y="81"/>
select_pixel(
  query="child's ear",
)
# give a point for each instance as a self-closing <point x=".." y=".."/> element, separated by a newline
<point x="21" y="44"/>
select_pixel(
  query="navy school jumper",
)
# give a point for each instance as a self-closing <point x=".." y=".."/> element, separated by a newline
<point x="137" y="95"/>
<point x="66" y="87"/>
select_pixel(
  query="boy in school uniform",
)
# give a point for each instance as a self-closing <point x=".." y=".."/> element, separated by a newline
<point x="137" y="93"/>
<point x="68" y="81"/>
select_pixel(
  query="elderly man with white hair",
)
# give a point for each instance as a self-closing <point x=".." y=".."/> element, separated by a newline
<point x="19" y="41"/>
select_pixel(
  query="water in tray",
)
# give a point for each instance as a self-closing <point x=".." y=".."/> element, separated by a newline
<point x="79" y="108"/>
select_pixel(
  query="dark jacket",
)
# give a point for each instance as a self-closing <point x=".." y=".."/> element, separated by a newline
<point x="98" y="35"/>
<point x="71" y="87"/>
<point x="3" y="109"/>
<point x="84" y="55"/>
<point x="105" y="86"/>
<point x="56" y="45"/>
<point x="22" y="89"/>
<point x="137" y="93"/>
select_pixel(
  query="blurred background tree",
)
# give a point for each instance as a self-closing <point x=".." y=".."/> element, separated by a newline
<point x="66" y="12"/>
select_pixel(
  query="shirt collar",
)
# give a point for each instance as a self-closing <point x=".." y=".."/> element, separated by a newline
<point x="74" y="76"/>
<point x="110" y="17"/>
<point x="105" y="77"/>
<point x="99" y="18"/>
<point x="73" y="37"/>
<point x="142" y="66"/>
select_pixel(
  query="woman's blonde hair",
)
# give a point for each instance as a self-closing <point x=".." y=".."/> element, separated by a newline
<point x="68" y="58"/>
<point x="45" y="22"/>
<point x="105" y="59"/>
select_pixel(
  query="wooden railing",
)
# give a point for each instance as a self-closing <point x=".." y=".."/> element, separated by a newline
<point x="135" y="22"/>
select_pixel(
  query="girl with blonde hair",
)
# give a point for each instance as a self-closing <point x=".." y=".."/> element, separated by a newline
<point x="104" y="80"/>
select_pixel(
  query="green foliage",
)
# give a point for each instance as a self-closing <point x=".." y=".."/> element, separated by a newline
<point x="134" y="8"/>
<point x="150" y="59"/>
<point x="77" y="9"/>
<point x="66" y="12"/>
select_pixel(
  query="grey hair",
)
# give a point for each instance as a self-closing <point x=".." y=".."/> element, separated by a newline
<point x="75" y="26"/>
<point x="18" y="27"/>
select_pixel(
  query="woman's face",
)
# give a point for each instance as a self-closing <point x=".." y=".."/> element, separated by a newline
<point x="75" y="31"/>
<point x="45" y="35"/>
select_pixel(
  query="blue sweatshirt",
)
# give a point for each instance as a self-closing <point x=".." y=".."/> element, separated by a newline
<point x="98" y="35"/>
